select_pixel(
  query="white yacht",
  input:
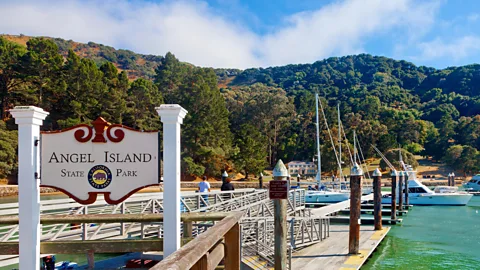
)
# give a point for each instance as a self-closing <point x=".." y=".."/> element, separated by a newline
<point x="473" y="184"/>
<point x="419" y="194"/>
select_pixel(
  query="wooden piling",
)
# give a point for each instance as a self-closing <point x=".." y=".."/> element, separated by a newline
<point x="394" y="195"/>
<point x="405" y="176"/>
<point x="280" y="221"/>
<point x="91" y="259"/>
<point x="355" y="200"/>
<point x="377" y="199"/>
<point x="400" y="190"/>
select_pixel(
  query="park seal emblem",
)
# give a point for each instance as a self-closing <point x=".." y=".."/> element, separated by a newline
<point x="99" y="177"/>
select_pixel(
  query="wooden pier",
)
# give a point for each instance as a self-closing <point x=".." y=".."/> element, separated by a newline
<point x="332" y="253"/>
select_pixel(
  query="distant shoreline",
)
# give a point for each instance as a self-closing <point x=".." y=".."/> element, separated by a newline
<point x="7" y="191"/>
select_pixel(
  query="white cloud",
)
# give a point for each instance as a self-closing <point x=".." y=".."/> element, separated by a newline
<point x="473" y="17"/>
<point x="197" y="33"/>
<point x="456" y="50"/>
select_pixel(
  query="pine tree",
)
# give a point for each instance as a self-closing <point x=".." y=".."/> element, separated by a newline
<point x="10" y="83"/>
<point x="143" y="97"/>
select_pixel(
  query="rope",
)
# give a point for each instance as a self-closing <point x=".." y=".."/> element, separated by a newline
<point x="348" y="146"/>
<point x="384" y="158"/>
<point x="363" y="158"/>
<point x="331" y="138"/>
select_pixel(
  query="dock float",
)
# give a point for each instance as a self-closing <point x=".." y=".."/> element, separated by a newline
<point x="364" y="220"/>
<point x="332" y="253"/>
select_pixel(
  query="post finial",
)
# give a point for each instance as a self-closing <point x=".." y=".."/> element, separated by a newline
<point x="394" y="173"/>
<point x="377" y="172"/>
<point x="356" y="170"/>
<point x="280" y="170"/>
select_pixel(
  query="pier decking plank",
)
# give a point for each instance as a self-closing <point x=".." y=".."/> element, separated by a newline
<point x="332" y="253"/>
<point x="332" y="208"/>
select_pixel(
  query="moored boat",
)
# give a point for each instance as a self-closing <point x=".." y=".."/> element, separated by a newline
<point x="473" y="185"/>
<point x="419" y="194"/>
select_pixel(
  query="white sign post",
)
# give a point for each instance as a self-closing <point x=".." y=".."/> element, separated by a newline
<point x="29" y="119"/>
<point x="171" y="117"/>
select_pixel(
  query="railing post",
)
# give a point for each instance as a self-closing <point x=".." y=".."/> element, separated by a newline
<point x="394" y="195"/>
<point x="29" y="119"/>
<point x="280" y="219"/>
<point x="172" y="116"/>
<point x="257" y="233"/>
<point x="232" y="248"/>
<point x="377" y="199"/>
<point x="355" y="200"/>
<point x="85" y="225"/>
<point x="122" y="224"/>
<point x="91" y="259"/>
<point x="187" y="229"/>
<point x="400" y="190"/>
<point x="294" y="201"/>
<point x="407" y="202"/>
<point x="292" y="232"/>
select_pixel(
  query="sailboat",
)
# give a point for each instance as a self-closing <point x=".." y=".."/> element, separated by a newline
<point x="322" y="195"/>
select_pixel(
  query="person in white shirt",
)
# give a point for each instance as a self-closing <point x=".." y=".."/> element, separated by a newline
<point x="204" y="186"/>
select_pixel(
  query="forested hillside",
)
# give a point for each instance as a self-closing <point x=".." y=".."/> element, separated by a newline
<point x="246" y="120"/>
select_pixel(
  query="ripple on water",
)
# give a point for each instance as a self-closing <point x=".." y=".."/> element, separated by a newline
<point x="432" y="238"/>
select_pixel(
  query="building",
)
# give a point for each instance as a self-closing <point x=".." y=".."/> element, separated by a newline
<point x="303" y="168"/>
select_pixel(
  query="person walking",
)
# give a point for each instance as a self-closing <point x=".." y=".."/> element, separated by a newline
<point x="204" y="187"/>
<point x="227" y="186"/>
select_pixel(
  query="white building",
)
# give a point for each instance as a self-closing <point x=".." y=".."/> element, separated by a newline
<point x="303" y="168"/>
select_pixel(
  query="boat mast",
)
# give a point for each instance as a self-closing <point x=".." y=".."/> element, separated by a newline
<point x="319" y="166"/>
<point x="354" y="148"/>
<point x="339" y="141"/>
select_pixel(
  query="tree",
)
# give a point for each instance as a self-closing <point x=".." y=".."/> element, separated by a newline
<point x="142" y="98"/>
<point x="10" y="83"/>
<point x="41" y="69"/>
<point x="112" y="99"/>
<point x="452" y="156"/>
<point x="393" y="157"/>
<point x="8" y="151"/>
<point x="252" y="153"/>
<point x="468" y="160"/>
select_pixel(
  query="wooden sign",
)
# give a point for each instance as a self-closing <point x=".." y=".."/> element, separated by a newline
<point x="278" y="190"/>
<point x="113" y="160"/>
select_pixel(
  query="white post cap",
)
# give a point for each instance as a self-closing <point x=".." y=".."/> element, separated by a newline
<point x="171" y="113"/>
<point x="453" y="174"/>
<point x="356" y="170"/>
<point x="394" y="173"/>
<point x="377" y="172"/>
<point x="224" y="174"/>
<point x="261" y="174"/>
<point x="28" y="115"/>
<point x="280" y="170"/>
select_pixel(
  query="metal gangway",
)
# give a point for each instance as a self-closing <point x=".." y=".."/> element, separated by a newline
<point x="256" y="223"/>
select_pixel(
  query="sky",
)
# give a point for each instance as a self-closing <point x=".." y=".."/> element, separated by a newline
<point x="260" y="33"/>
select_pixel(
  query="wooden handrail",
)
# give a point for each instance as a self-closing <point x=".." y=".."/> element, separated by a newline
<point x="115" y="218"/>
<point x="97" y="246"/>
<point x="198" y="250"/>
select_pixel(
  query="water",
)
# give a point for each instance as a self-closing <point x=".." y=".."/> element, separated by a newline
<point x="432" y="237"/>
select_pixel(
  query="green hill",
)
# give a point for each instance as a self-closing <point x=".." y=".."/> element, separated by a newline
<point x="246" y="120"/>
